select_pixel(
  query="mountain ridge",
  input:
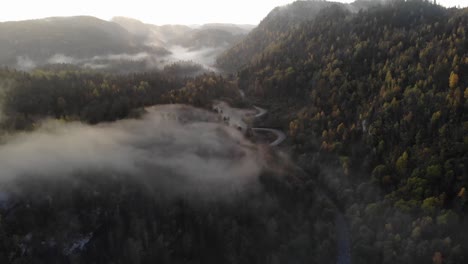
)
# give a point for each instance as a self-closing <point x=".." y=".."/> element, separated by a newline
<point x="28" y="43"/>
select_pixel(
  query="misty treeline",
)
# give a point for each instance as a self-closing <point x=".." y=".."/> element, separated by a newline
<point x="121" y="45"/>
<point x="385" y="91"/>
<point x="90" y="96"/>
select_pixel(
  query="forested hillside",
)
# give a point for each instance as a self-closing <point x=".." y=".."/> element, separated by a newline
<point x="96" y="97"/>
<point x="81" y="37"/>
<point x="385" y="91"/>
<point x="272" y="28"/>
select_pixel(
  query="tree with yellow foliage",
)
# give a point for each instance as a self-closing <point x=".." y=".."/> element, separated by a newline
<point x="453" y="80"/>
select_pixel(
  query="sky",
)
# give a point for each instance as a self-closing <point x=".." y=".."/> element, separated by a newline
<point x="157" y="12"/>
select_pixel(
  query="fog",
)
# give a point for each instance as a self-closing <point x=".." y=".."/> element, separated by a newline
<point x="174" y="149"/>
<point x="105" y="61"/>
<point x="205" y="57"/>
<point x="61" y="58"/>
<point x="24" y="63"/>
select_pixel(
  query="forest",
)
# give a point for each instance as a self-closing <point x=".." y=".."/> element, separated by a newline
<point x="385" y="93"/>
<point x="373" y="99"/>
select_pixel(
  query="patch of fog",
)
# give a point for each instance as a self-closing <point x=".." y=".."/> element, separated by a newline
<point x="61" y="59"/>
<point x="174" y="149"/>
<point x="95" y="66"/>
<point x="97" y="62"/>
<point x="141" y="56"/>
<point x="204" y="56"/>
<point x="24" y="63"/>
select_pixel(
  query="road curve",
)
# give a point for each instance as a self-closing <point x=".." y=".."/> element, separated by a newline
<point x="261" y="112"/>
<point x="280" y="136"/>
<point x="341" y="225"/>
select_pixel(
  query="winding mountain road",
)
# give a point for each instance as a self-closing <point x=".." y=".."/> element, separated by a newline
<point x="241" y="119"/>
<point x="261" y="112"/>
<point x="280" y="135"/>
<point x="343" y="236"/>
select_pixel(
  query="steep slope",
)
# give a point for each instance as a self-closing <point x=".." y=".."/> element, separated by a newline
<point x="385" y="90"/>
<point x="275" y="26"/>
<point x="142" y="31"/>
<point x="40" y="39"/>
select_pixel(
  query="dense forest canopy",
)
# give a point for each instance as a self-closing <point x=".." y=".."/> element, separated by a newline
<point x="386" y="91"/>
<point x="272" y="28"/>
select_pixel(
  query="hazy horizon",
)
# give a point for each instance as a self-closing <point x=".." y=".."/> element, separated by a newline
<point x="159" y="12"/>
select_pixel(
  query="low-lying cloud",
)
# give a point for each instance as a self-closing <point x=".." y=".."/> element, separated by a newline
<point x="24" y="63"/>
<point x="61" y="58"/>
<point x="204" y="56"/>
<point x="104" y="61"/>
<point x="175" y="149"/>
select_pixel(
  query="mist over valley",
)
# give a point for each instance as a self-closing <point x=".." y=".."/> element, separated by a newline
<point x="92" y="43"/>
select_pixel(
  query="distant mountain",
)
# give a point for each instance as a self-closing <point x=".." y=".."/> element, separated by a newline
<point x="95" y="43"/>
<point x="272" y="28"/>
<point x="366" y="4"/>
<point x="209" y="38"/>
<point x="135" y="27"/>
<point x="82" y="36"/>
<point x="152" y="34"/>
<point x="215" y="35"/>
<point x="170" y="34"/>
<point x="236" y="29"/>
